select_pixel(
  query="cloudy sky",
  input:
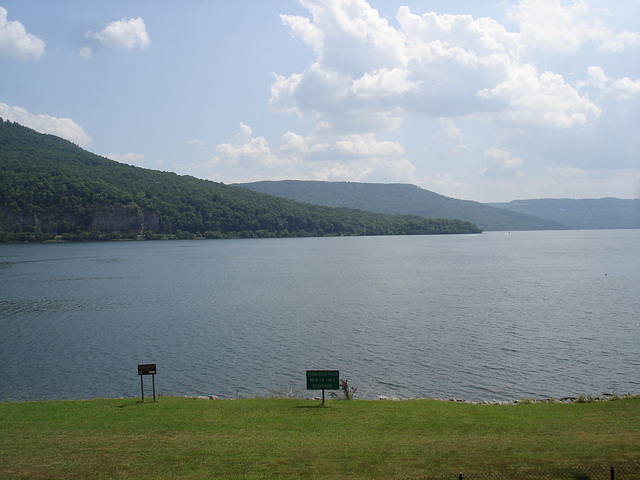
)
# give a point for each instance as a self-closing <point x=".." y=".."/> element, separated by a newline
<point x="479" y="100"/>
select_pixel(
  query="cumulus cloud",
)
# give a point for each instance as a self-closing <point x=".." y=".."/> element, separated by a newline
<point x="369" y="75"/>
<point x="302" y="28"/>
<point x="125" y="33"/>
<point x="500" y="163"/>
<point x="364" y="170"/>
<point x="449" y="135"/>
<point x="341" y="27"/>
<point x="61" y="127"/>
<point x="16" y="42"/>
<point x="319" y="147"/>
<point x="564" y="26"/>
<point x="299" y="149"/>
<point x="349" y="157"/>
<point x="366" y="145"/>
<point x="544" y="100"/>
<point x="247" y="151"/>
<point x="622" y="88"/>
<point x="383" y="83"/>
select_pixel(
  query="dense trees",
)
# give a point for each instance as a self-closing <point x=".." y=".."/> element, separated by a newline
<point x="51" y="188"/>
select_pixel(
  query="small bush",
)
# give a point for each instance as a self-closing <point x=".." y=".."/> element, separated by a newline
<point x="347" y="391"/>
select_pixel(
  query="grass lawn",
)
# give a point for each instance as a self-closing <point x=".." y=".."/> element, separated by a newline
<point x="295" y="438"/>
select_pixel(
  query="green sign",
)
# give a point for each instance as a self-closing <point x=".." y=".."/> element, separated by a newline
<point x="323" y="379"/>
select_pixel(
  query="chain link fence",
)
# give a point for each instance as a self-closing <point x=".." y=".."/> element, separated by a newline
<point x="616" y="471"/>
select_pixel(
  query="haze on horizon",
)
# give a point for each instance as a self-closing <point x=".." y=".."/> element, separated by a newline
<point x="486" y="101"/>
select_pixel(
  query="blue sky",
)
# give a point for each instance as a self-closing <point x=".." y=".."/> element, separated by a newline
<point x="486" y="101"/>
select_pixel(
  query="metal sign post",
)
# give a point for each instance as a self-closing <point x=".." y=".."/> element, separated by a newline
<point x="323" y="379"/>
<point x="147" y="369"/>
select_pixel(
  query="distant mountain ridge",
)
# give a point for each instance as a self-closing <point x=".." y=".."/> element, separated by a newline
<point x="402" y="199"/>
<point x="585" y="213"/>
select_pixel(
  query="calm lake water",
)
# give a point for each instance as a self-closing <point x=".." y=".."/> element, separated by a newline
<point x="492" y="316"/>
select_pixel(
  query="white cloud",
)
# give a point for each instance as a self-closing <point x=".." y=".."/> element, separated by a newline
<point x="622" y="88"/>
<point x="299" y="148"/>
<point x="366" y="146"/>
<point x="472" y="41"/>
<point x="85" y="53"/>
<point x="195" y="141"/>
<point x="61" y="127"/>
<point x="369" y="75"/>
<point x="352" y="157"/>
<point x="383" y="83"/>
<point x="342" y="27"/>
<point x="363" y="170"/>
<point x="248" y="151"/>
<point x="500" y="163"/>
<point x="564" y="26"/>
<point x="360" y="60"/>
<point x="16" y="42"/>
<point x="302" y="28"/>
<point x="542" y="101"/>
<point x="319" y="156"/>
<point x="124" y="33"/>
<point x="450" y="135"/>
<point x="322" y="147"/>
<point x="244" y="134"/>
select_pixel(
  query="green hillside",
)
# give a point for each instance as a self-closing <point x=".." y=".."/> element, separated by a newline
<point x="51" y="188"/>
<point x="585" y="213"/>
<point x="402" y="199"/>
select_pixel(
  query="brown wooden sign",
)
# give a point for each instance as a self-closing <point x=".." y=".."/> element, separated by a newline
<point x="147" y="369"/>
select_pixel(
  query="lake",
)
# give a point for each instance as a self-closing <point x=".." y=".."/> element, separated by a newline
<point x="496" y="316"/>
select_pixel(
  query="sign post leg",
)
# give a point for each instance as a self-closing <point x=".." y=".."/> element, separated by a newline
<point x="323" y="396"/>
<point x="142" y="387"/>
<point x="153" y="379"/>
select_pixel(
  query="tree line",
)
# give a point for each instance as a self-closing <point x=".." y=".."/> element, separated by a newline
<point x="53" y="189"/>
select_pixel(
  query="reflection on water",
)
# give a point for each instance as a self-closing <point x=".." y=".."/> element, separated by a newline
<point x="531" y="314"/>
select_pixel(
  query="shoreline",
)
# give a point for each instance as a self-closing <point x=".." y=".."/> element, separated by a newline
<point x="604" y="397"/>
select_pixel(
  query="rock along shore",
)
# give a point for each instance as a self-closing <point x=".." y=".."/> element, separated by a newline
<point x="581" y="399"/>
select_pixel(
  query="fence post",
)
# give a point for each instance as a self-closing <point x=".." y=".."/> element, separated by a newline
<point x="460" y="476"/>
<point x="613" y="473"/>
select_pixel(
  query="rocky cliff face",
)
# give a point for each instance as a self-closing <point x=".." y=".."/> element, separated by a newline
<point x="112" y="220"/>
<point x="124" y="220"/>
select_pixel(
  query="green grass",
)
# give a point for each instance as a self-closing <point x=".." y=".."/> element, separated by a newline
<point x="296" y="438"/>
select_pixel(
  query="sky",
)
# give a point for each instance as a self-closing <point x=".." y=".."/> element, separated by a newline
<point x="489" y="101"/>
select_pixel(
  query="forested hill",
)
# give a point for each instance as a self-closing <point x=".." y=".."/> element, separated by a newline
<point x="402" y="199"/>
<point x="581" y="213"/>
<point x="51" y="188"/>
